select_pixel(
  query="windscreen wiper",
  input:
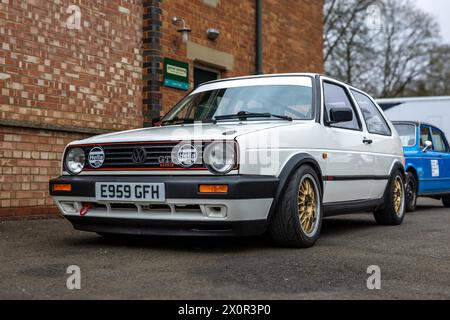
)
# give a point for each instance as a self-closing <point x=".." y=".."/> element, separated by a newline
<point x="244" y="115"/>
<point x="178" y="121"/>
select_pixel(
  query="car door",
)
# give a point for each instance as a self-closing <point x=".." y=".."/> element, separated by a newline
<point x="349" y="158"/>
<point x="431" y="164"/>
<point x="382" y="143"/>
<point x="441" y="150"/>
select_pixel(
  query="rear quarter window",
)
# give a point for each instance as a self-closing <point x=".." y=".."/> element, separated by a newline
<point x="375" y="121"/>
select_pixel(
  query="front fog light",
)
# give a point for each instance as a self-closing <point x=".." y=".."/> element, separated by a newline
<point x="75" y="160"/>
<point x="220" y="157"/>
<point x="215" y="211"/>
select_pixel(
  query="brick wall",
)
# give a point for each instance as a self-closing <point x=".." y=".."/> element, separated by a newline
<point x="29" y="158"/>
<point x="86" y="79"/>
<point x="292" y="35"/>
<point x="68" y="77"/>
<point x="234" y="18"/>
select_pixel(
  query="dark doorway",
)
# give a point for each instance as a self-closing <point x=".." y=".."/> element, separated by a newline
<point x="202" y="75"/>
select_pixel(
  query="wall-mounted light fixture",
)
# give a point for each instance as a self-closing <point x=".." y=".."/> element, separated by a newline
<point x="183" y="30"/>
<point x="213" y="34"/>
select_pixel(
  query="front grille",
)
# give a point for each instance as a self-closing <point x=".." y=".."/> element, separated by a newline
<point x="120" y="156"/>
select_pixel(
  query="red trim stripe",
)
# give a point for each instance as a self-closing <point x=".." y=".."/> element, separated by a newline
<point x="146" y="169"/>
<point x="143" y="142"/>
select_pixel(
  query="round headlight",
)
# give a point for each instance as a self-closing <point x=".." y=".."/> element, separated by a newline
<point x="220" y="157"/>
<point x="75" y="160"/>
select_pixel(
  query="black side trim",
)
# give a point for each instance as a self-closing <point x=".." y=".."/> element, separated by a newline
<point x="167" y="228"/>
<point x="354" y="178"/>
<point x="338" y="208"/>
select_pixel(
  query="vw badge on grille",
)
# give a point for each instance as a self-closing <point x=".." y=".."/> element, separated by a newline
<point x="139" y="155"/>
<point x="96" y="157"/>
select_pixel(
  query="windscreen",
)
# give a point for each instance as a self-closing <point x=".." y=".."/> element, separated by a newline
<point x="293" y="101"/>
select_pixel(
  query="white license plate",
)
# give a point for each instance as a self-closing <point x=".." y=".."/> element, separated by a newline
<point x="130" y="192"/>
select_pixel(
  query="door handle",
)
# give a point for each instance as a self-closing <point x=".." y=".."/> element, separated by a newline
<point x="367" y="141"/>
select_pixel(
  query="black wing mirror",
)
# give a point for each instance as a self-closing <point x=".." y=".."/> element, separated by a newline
<point x="338" y="115"/>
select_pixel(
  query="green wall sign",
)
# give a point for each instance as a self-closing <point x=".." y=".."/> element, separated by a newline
<point x="176" y="74"/>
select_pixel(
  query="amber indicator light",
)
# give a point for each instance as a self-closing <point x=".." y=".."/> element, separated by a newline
<point x="62" y="187"/>
<point x="207" y="188"/>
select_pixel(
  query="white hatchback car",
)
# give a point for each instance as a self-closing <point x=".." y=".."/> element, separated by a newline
<point x="241" y="156"/>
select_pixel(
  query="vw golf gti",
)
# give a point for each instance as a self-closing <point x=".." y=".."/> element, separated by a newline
<point x="240" y="157"/>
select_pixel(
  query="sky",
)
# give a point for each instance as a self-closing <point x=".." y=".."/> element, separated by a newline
<point x="440" y="9"/>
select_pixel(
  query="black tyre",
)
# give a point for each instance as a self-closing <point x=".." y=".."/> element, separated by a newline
<point x="297" y="221"/>
<point x="411" y="193"/>
<point x="446" y="201"/>
<point x="394" y="202"/>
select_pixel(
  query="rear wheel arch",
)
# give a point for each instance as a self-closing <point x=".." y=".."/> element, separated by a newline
<point x="389" y="213"/>
<point x="397" y="166"/>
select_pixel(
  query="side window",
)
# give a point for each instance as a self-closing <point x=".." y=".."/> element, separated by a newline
<point x="374" y="119"/>
<point x="439" y="142"/>
<point x="425" y="136"/>
<point x="336" y="97"/>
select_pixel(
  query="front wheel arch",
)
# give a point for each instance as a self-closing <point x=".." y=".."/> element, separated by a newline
<point x="288" y="171"/>
<point x="297" y="220"/>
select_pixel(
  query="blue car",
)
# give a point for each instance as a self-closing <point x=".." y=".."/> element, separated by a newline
<point x="427" y="156"/>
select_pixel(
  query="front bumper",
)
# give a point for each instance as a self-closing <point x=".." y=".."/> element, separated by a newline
<point x="242" y="211"/>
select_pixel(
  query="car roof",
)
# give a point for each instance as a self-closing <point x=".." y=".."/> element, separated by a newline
<point x="277" y="75"/>
<point x="418" y="123"/>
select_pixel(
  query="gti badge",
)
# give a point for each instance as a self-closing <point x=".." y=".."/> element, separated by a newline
<point x="139" y="156"/>
<point x="96" y="157"/>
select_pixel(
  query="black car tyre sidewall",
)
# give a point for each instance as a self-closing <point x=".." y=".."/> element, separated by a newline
<point x="411" y="195"/>
<point x="388" y="215"/>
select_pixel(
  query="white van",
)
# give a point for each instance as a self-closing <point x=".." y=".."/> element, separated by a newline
<point x="432" y="110"/>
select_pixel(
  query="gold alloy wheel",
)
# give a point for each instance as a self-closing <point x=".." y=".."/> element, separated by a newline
<point x="398" y="196"/>
<point x="307" y="205"/>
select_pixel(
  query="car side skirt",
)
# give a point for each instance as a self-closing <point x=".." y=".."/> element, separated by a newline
<point x="349" y="207"/>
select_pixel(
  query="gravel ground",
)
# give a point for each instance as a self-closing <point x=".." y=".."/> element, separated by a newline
<point x="414" y="260"/>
